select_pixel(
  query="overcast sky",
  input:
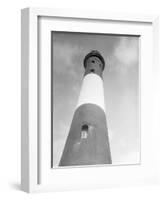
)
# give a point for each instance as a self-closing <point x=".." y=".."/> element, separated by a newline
<point x="121" y="79"/>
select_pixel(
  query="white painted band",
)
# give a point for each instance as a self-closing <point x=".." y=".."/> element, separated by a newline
<point x="92" y="91"/>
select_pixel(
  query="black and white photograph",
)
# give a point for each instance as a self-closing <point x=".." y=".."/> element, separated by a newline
<point x="89" y="100"/>
<point x="95" y="99"/>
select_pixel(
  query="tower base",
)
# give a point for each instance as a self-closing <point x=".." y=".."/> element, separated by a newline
<point x="87" y="142"/>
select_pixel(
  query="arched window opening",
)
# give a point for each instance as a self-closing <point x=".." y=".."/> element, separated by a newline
<point x="92" y="71"/>
<point x="84" y="131"/>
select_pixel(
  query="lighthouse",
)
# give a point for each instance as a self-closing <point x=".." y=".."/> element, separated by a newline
<point x="88" y="141"/>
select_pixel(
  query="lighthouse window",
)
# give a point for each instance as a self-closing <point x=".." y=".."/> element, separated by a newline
<point x="84" y="131"/>
<point x="92" y="70"/>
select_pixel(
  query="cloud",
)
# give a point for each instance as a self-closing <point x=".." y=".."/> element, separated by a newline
<point x="125" y="55"/>
<point x="58" y="148"/>
<point x="64" y="52"/>
<point x="126" y="52"/>
<point x="64" y="55"/>
<point x="132" y="157"/>
<point x="61" y="129"/>
<point x="60" y="134"/>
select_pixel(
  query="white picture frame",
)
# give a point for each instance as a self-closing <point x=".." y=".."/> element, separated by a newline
<point x="36" y="172"/>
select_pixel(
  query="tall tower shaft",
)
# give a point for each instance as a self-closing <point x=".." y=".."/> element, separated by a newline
<point x="88" y="142"/>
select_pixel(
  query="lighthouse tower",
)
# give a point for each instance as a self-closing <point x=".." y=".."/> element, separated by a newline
<point x="87" y="142"/>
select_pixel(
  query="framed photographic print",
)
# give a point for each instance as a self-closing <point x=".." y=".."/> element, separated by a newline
<point x="89" y="88"/>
